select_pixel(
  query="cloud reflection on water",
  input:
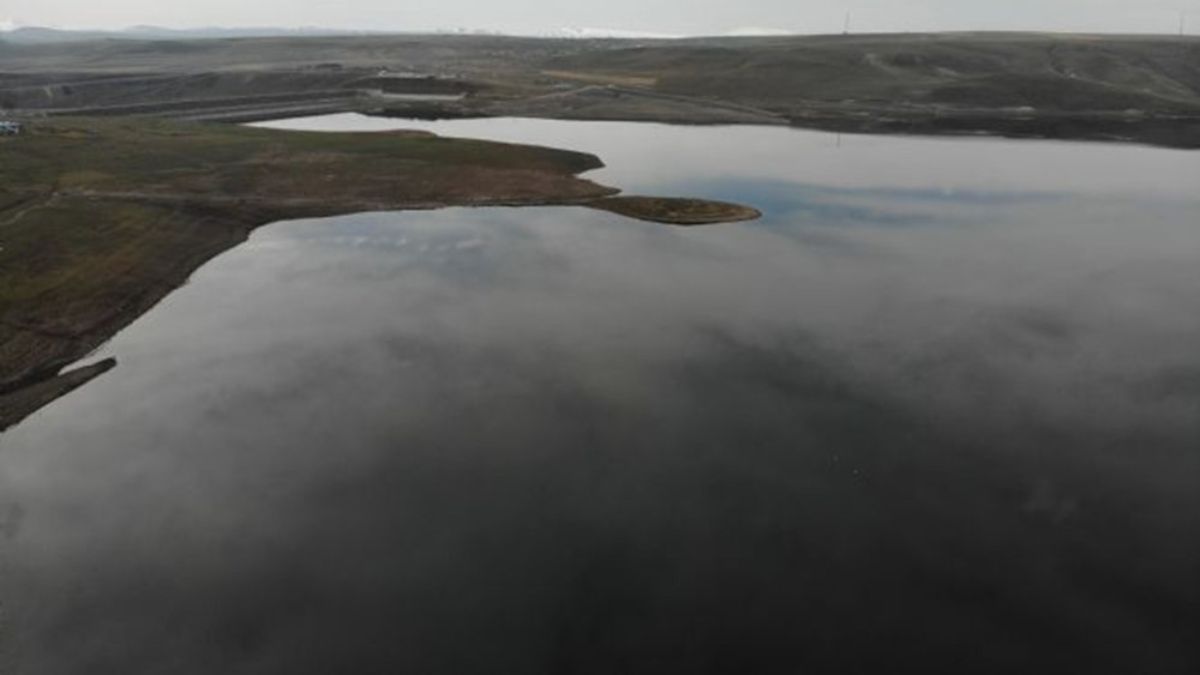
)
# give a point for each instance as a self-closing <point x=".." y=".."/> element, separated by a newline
<point x="554" y="440"/>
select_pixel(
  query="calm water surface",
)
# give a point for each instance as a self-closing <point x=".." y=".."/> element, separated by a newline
<point x="939" y="411"/>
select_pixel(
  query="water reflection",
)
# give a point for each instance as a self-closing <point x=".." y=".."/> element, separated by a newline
<point x="952" y="425"/>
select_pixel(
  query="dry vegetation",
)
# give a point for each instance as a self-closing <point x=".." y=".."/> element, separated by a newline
<point x="99" y="219"/>
<point x="1055" y="72"/>
<point x="1063" y="86"/>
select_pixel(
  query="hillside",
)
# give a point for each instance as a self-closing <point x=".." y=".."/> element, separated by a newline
<point x="1047" y="85"/>
<point x="1056" y="72"/>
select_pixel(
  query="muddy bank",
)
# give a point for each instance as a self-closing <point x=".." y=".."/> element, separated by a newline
<point x="21" y="403"/>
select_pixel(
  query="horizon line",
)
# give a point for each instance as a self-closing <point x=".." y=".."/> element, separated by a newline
<point x="566" y="32"/>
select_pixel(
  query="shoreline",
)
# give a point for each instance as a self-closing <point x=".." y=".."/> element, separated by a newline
<point x="127" y="231"/>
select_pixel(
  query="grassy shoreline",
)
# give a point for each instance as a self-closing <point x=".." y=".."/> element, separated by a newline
<point x="101" y="218"/>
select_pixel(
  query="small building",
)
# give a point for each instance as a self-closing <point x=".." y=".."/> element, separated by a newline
<point x="8" y="128"/>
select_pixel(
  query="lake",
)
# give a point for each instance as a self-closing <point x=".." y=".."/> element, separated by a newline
<point x="938" y="411"/>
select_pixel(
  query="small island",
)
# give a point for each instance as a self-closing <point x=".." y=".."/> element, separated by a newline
<point x="100" y="218"/>
<point x="676" y="211"/>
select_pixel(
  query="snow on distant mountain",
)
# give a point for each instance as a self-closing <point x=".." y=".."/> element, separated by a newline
<point x="600" y="33"/>
<point x="757" y="31"/>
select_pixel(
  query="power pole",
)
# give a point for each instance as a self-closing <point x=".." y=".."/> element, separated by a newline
<point x="1182" y="22"/>
<point x="846" y="24"/>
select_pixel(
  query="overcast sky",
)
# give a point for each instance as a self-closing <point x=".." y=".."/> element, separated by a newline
<point x="682" y="17"/>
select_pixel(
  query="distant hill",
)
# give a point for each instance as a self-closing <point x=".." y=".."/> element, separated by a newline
<point x="984" y="70"/>
<point x="29" y="35"/>
<point x="1115" y="87"/>
<point x="41" y="35"/>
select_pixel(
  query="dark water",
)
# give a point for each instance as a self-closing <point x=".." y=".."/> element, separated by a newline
<point x="938" y="412"/>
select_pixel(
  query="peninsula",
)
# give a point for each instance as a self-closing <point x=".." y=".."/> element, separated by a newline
<point x="100" y="218"/>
